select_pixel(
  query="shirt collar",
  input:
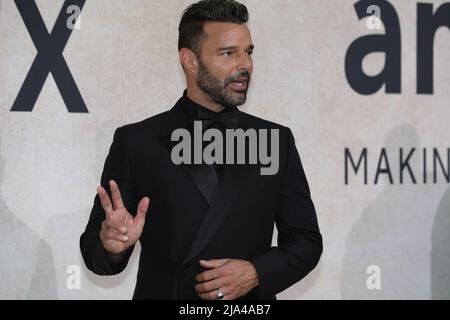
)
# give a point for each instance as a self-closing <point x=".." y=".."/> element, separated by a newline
<point x="192" y="108"/>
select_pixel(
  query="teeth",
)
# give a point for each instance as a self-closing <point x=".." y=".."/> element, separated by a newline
<point x="241" y="84"/>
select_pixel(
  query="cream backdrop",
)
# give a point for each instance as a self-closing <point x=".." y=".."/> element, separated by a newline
<point x="125" y="64"/>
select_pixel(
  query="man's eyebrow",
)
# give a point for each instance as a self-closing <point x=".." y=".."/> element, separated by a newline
<point x="250" y="47"/>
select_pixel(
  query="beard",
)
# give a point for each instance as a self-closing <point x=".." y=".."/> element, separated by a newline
<point x="218" y="91"/>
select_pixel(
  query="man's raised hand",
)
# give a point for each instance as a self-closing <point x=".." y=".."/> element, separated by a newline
<point x="120" y="230"/>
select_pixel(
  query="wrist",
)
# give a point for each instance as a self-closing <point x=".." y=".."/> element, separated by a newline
<point x="116" y="257"/>
<point x="255" y="278"/>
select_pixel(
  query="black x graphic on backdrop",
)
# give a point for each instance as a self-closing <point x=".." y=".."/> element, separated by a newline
<point x="49" y="58"/>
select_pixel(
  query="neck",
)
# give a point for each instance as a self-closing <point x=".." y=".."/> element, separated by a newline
<point x="204" y="100"/>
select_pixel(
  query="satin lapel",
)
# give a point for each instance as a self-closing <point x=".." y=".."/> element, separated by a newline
<point x="233" y="180"/>
<point x="221" y="196"/>
<point x="203" y="176"/>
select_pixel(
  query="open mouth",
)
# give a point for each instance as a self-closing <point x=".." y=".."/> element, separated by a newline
<point x="238" y="85"/>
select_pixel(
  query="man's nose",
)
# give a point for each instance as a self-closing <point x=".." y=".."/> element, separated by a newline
<point x="245" y="62"/>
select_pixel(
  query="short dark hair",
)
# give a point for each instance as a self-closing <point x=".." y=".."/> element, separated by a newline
<point x="191" y="32"/>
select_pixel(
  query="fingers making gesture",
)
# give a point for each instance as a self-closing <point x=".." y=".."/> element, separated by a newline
<point x="120" y="230"/>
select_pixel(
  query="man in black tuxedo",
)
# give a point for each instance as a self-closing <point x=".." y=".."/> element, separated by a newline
<point x="209" y="229"/>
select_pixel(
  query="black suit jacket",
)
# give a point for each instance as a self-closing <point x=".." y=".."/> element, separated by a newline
<point x="189" y="219"/>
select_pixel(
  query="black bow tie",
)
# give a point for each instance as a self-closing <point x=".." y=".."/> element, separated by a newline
<point x="229" y="119"/>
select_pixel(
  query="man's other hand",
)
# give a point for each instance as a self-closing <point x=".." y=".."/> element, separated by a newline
<point x="233" y="278"/>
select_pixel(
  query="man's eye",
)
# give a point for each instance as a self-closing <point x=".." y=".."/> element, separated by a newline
<point x="250" y="53"/>
<point x="227" y="53"/>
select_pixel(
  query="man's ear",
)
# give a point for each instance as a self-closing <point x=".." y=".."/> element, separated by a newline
<point x="188" y="59"/>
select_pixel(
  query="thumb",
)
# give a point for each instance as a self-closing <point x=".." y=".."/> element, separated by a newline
<point x="215" y="263"/>
<point x="142" y="209"/>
